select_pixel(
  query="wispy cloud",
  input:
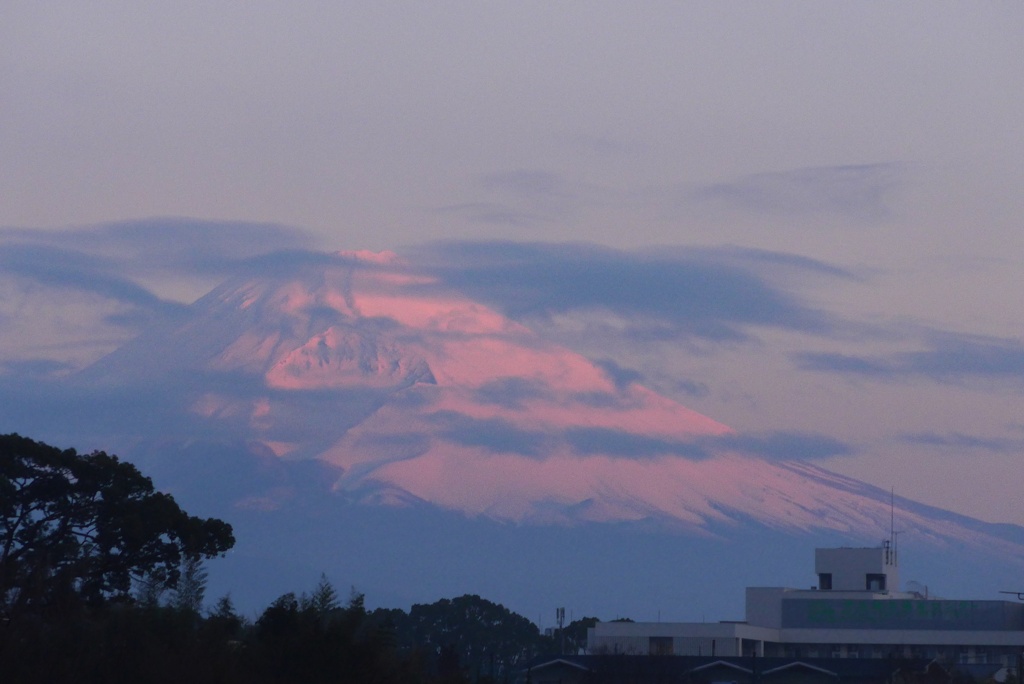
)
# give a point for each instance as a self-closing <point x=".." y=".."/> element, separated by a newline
<point x="962" y="441"/>
<point x="948" y="357"/>
<point x="502" y="436"/>
<point x="494" y="213"/>
<point x="183" y="245"/>
<point x="853" y="191"/>
<point x="690" y="388"/>
<point x="112" y="261"/>
<point x="630" y="444"/>
<point x="785" y="445"/>
<point x="622" y="377"/>
<point x="525" y="198"/>
<point x="709" y="294"/>
<point x="511" y="392"/>
<point x="81" y="272"/>
<point x="494" y="434"/>
<point x="518" y="198"/>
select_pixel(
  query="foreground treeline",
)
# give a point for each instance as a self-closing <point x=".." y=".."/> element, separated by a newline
<point x="309" y="638"/>
<point x="102" y="580"/>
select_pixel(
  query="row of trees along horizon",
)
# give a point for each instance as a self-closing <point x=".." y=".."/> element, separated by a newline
<point x="102" y="579"/>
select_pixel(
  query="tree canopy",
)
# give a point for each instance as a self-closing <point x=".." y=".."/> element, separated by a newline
<point x="79" y="529"/>
<point x="88" y="547"/>
<point x="467" y="633"/>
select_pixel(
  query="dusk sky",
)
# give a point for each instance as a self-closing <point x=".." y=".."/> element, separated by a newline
<point x="800" y="219"/>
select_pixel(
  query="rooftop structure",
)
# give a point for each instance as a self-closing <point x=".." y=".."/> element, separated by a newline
<point x="854" y="611"/>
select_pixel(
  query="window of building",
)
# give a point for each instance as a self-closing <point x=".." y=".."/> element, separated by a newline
<point x="875" y="582"/>
<point x="825" y="581"/>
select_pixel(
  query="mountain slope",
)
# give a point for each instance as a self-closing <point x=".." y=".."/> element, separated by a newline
<point x="404" y="395"/>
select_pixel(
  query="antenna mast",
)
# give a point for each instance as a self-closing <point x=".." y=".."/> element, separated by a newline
<point x="892" y="544"/>
<point x="892" y="512"/>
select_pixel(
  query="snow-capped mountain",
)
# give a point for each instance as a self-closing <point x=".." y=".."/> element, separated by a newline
<point x="403" y="395"/>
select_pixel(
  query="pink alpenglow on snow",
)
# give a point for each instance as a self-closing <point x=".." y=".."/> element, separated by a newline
<point x="422" y="394"/>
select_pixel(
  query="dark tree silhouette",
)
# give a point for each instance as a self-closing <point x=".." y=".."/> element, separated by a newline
<point x="574" y="638"/>
<point x="488" y="640"/>
<point x="77" y="530"/>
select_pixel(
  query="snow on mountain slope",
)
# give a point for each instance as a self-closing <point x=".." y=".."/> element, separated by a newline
<point x="416" y="394"/>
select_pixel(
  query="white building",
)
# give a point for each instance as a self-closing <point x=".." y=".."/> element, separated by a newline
<point x="855" y="611"/>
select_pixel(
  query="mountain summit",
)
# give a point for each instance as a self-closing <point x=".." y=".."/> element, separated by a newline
<point x="350" y="414"/>
<point x="412" y="394"/>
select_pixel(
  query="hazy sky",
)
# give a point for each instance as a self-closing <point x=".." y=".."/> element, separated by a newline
<point x="795" y="217"/>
